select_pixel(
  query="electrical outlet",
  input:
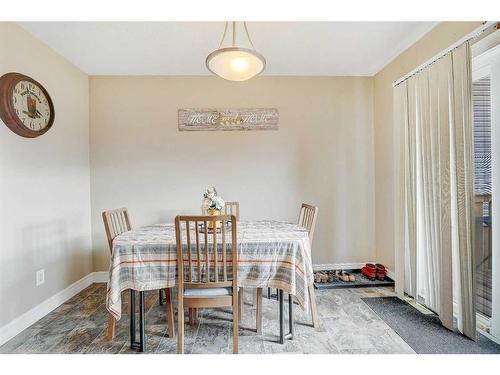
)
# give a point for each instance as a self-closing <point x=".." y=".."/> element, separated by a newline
<point x="40" y="277"/>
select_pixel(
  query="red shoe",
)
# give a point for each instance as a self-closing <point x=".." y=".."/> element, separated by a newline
<point x="369" y="271"/>
<point x="380" y="271"/>
<point x="368" y="274"/>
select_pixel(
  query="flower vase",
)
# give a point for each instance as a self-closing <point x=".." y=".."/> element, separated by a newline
<point x="213" y="212"/>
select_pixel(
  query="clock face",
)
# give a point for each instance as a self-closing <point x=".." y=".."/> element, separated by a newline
<point x="25" y="105"/>
<point x="31" y="105"/>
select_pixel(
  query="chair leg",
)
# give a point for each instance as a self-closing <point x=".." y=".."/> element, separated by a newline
<point x="129" y="305"/>
<point x="254" y="297"/>
<point x="240" y="304"/>
<point x="110" y="332"/>
<point x="180" y="327"/>
<point x="282" y="318"/>
<point x="142" y="322"/>
<point x="235" y="320"/>
<point x="191" y="316"/>
<point x="132" y="319"/>
<point x="314" y="309"/>
<point x="258" y="312"/>
<point x="241" y="291"/>
<point x="170" y="313"/>
<point x="160" y="297"/>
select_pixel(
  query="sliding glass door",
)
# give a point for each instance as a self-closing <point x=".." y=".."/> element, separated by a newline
<point x="481" y="103"/>
<point x="486" y="122"/>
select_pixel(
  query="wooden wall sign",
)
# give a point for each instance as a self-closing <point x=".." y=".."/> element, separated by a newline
<point x="228" y="119"/>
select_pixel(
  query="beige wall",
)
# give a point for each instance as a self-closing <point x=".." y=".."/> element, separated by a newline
<point x="44" y="182"/>
<point x="438" y="39"/>
<point x="322" y="154"/>
<point x="334" y="149"/>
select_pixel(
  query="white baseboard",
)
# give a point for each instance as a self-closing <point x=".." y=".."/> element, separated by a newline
<point x="489" y="336"/>
<point x="101" y="277"/>
<point x="391" y="274"/>
<point x="481" y="320"/>
<point x="30" y="317"/>
<point x="338" y="266"/>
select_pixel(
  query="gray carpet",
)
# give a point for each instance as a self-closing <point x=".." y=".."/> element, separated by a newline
<point x="424" y="333"/>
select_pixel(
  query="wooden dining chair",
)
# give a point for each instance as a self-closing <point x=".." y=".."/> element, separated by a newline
<point x="233" y="208"/>
<point x="207" y="272"/>
<point x="307" y="219"/>
<point x="117" y="222"/>
<point x="230" y="208"/>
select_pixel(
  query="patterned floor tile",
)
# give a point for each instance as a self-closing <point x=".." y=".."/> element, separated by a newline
<point x="77" y="341"/>
<point x="347" y="325"/>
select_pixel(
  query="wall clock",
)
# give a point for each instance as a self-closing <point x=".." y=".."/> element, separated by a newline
<point x="25" y="105"/>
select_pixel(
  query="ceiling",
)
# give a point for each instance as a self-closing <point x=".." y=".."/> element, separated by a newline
<point x="180" y="48"/>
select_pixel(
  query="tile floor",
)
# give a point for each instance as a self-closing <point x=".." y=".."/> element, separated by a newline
<point x="347" y="325"/>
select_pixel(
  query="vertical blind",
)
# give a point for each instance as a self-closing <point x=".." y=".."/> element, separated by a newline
<point x="481" y="110"/>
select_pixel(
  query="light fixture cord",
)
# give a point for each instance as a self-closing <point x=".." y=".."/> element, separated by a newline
<point x="223" y="35"/>
<point x="234" y="34"/>
<point x="248" y="35"/>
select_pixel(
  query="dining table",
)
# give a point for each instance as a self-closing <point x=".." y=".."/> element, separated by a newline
<point x="271" y="254"/>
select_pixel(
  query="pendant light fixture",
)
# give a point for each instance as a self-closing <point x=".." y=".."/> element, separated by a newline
<point x="235" y="62"/>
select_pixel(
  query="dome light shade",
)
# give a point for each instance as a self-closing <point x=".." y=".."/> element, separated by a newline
<point x="235" y="63"/>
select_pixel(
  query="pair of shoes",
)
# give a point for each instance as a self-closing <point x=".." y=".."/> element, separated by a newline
<point x="346" y="276"/>
<point x="369" y="271"/>
<point x="321" y="277"/>
<point x="381" y="271"/>
<point x="329" y="276"/>
<point x="317" y="277"/>
<point x="333" y="275"/>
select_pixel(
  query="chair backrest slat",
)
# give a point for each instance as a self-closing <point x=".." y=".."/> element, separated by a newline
<point x="206" y="264"/>
<point x="224" y="256"/>
<point x="116" y="222"/>
<point x="307" y="218"/>
<point x="207" y="258"/>
<point x="232" y="208"/>
<point x="198" y="253"/>
<point x="216" y="264"/>
<point x="188" y="239"/>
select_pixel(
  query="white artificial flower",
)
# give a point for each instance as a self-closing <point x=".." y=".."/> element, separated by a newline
<point x="206" y="203"/>
<point x="211" y="200"/>
<point x="218" y="203"/>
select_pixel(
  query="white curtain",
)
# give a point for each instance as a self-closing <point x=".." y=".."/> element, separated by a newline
<point x="432" y="114"/>
<point x="404" y="118"/>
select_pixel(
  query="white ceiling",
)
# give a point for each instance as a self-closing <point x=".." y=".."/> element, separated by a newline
<point x="180" y="48"/>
